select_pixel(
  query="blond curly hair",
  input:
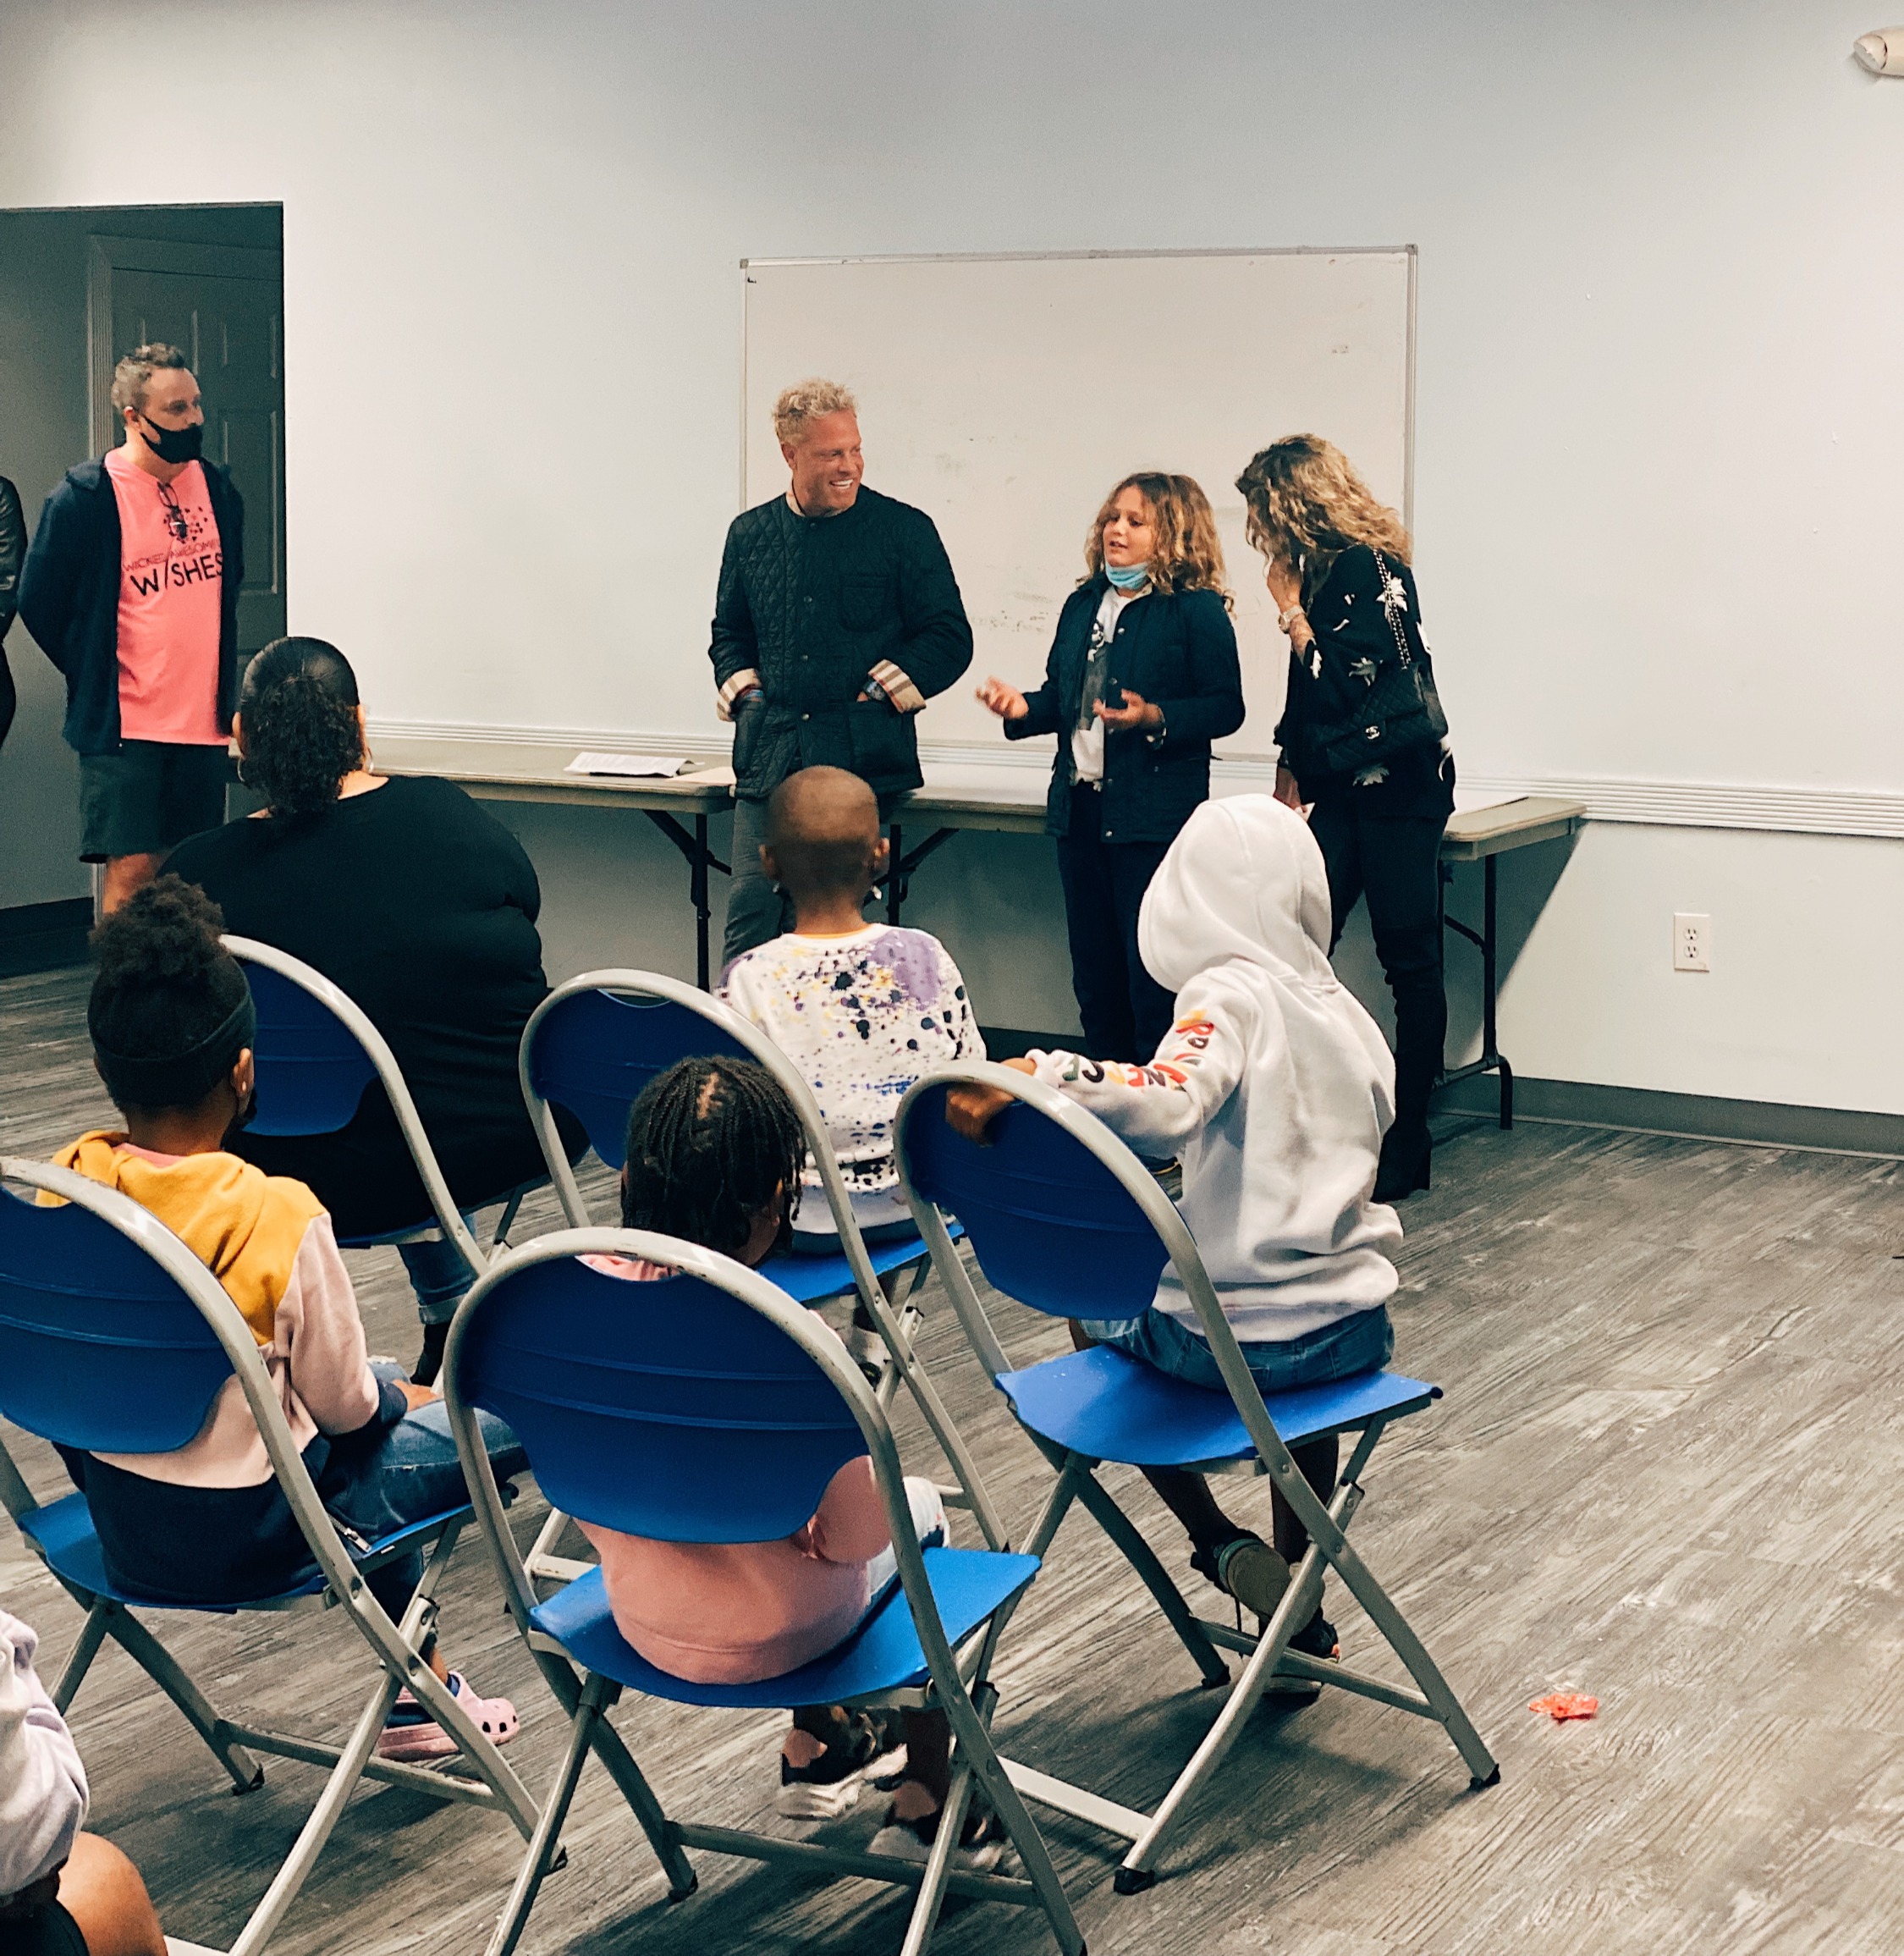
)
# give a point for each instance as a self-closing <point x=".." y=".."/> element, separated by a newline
<point x="805" y="402"/>
<point x="1189" y="554"/>
<point x="1306" y="506"/>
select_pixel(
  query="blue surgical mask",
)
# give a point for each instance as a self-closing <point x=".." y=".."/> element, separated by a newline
<point x="1132" y="577"/>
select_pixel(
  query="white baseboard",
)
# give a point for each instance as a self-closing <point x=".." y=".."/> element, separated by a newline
<point x="1661" y="804"/>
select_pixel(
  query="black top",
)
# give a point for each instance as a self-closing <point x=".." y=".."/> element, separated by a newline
<point x="1346" y="616"/>
<point x="423" y="909"/>
<point x="69" y="598"/>
<point x="813" y="604"/>
<point x="1178" y="651"/>
<point x="12" y="552"/>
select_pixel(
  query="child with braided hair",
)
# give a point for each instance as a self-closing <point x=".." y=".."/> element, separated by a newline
<point x="171" y="1024"/>
<point x="714" y="1155"/>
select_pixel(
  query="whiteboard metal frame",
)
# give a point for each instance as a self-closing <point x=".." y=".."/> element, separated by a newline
<point x="1411" y="252"/>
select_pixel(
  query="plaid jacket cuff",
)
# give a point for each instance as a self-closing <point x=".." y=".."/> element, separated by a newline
<point x="906" y="697"/>
<point x="725" y="699"/>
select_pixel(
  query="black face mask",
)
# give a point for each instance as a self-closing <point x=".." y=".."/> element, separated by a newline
<point x="175" y="444"/>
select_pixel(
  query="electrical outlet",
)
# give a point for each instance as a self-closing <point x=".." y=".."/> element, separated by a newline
<point x="1691" y="942"/>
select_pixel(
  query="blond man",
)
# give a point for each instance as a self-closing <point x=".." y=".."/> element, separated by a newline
<point x="836" y="619"/>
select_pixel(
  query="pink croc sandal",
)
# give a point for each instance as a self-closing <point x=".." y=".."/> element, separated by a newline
<point x="410" y="1734"/>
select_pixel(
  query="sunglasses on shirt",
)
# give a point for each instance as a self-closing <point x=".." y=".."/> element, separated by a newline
<point x="174" y="516"/>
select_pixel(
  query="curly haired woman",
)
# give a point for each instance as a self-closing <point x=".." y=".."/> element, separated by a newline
<point x="1362" y="743"/>
<point x="1143" y="675"/>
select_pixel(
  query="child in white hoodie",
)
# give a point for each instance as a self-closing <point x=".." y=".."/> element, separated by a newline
<point x="1275" y="1087"/>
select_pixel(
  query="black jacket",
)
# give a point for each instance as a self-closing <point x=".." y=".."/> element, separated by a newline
<point x="1352" y="629"/>
<point x="13" y="553"/>
<point x="1179" y="652"/>
<point x="812" y="606"/>
<point x="69" y="598"/>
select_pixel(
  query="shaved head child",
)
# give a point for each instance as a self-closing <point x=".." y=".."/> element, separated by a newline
<point x="861" y="1008"/>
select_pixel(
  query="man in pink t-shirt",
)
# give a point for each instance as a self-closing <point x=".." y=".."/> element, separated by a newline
<point x="131" y="589"/>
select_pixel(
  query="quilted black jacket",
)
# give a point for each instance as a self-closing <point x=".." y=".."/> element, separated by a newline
<point x="812" y="605"/>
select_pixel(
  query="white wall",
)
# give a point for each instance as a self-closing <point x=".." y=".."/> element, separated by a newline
<point x="1659" y="439"/>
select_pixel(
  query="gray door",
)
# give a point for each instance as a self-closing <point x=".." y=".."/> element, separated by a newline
<point x="231" y="327"/>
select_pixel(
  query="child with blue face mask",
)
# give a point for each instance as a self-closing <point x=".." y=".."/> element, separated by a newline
<point x="1143" y="675"/>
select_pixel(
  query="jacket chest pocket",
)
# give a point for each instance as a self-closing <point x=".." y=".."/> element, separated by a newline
<point x="864" y="603"/>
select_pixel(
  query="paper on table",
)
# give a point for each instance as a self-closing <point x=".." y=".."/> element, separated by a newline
<point x="640" y="765"/>
<point x="1472" y="800"/>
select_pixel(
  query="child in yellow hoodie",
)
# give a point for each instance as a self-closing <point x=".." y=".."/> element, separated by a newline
<point x="171" y="1024"/>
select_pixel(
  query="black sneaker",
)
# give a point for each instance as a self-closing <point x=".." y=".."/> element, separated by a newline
<point x="982" y="1846"/>
<point x="828" y="1786"/>
<point x="1245" y="1566"/>
<point x="1316" y="1638"/>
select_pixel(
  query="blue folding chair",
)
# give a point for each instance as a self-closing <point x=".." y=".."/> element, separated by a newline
<point x="1064" y="1217"/>
<point x="114" y="1338"/>
<point x="711" y="1406"/>
<point x="591" y="1046"/>
<point x="315" y="1054"/>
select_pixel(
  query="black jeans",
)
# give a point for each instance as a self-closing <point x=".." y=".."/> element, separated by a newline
<point x="1124" y="1010"/>
<point x="1395" y="862"/>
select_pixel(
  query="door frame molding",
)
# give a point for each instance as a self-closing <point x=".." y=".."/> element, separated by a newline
<point x="105" y="255"/>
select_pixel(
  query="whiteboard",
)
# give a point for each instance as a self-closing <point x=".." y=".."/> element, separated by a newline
<point x="1005" y="395"/>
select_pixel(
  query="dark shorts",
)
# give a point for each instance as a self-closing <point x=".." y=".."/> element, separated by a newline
<point x="148" y="796"/>
<point x="1360" y="1343"/>
<point x="47" y="1931"/>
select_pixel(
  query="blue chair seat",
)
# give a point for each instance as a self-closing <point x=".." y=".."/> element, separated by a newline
<point x="883" y="1655"/>
<point x="812" y="1279"/>
<point x="1108" y="1405"/>
<point x="63" y="1531"/>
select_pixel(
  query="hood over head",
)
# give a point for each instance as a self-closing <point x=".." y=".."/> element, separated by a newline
<point x="1243" y="879"/>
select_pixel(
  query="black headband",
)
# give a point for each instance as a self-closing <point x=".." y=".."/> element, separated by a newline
<point x="178" y="1079"/>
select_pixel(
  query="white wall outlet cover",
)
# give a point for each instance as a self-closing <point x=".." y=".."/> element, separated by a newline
<point x="1881" y="52"/>
<point x="1691" y="941"/>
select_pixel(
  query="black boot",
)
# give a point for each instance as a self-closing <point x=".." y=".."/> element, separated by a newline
<point x="1404" y="1167"/>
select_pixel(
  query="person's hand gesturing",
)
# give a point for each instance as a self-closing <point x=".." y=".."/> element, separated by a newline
<point x="1004" y="700"/>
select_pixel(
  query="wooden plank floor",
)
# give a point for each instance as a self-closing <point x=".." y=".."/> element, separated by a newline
<point x="1666" y="1472"/>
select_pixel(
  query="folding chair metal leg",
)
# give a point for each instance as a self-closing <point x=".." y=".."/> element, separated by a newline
<point x="1482" y="1766"/>
<point x="618" y="1762"/>
<point x="86" y="1648"/>
<point x="952" y="1446"/>
<point x="323" y="1818"/>
<point x="931" y="1897"/>
<point x="1096" y="1499"/>
<point x="164" y="1670"/>
<point x="542" y="1850"/>
<point x="543" y="1561"/>
<point x="501" y="1237"/>
<point x="970" y="1716"/>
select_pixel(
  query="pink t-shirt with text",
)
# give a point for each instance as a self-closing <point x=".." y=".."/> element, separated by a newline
<point x="171" y="579"/>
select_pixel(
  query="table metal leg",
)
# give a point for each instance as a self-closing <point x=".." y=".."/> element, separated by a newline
<point x="700" y="860"/>
<point x="900" y="866"/>
<point x="1487" y="940"/>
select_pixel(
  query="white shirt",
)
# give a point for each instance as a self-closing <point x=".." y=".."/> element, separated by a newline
<point x="1087" y="743"/>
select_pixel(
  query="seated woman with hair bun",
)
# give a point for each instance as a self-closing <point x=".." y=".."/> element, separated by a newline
<point x="422" y="907"/>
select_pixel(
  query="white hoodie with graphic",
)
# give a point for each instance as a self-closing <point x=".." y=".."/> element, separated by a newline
<point x="1273" y="1086"/>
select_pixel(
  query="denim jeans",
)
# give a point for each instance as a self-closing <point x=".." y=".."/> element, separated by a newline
<point x="404" y="1474"/>
<point x="437" y="1274"/>
<point x="1359" y="1343"/>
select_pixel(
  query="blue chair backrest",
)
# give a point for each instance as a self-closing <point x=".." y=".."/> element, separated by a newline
<point x="99" y="1348"/>
<point x="1049" y="1224"/>
<point x="312" y="1072"/>
<point x="667" y="1409"/>
<point x="593" y="1053"/>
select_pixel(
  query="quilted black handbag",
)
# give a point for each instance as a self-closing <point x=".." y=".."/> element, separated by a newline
<point x="1356" y="715"/>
